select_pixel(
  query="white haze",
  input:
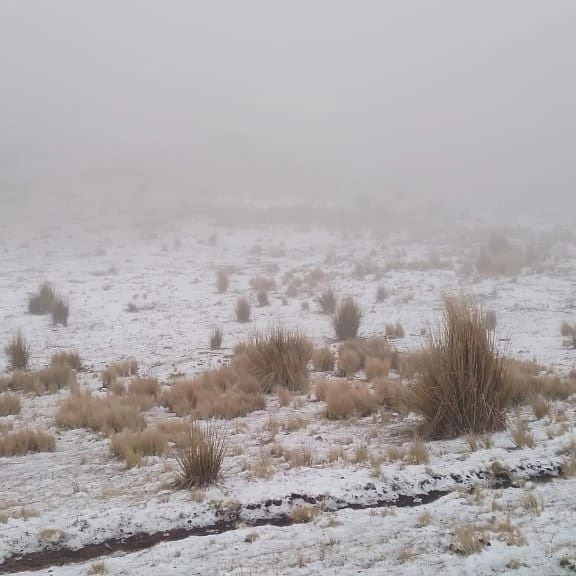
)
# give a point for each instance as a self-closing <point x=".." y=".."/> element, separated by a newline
<point x="453" y="99"/>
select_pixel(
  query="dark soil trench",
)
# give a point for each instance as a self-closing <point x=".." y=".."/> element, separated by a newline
<point x="230" y="521"/>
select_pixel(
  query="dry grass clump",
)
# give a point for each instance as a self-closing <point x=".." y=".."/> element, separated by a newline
<point x="303" y="514"/>
<point x="469" y="540"/>
<point x="499" y="257"/>
<point x="262" y="298"/>
<point x="327" y="300"/>
<point x="45" y="381"/>
<point x="463" y="386"/>
<point x="133" y="446"/>
<point x="26" y="440"/>
<point x="277" y="358"/>
<point x="490" y="320"/>
<point x="222" y="281"/>
<point x="243" y="310"/>
<point x="323" y="360"/>
<point x="262" y="284"/>
<point x="381" y="294"/>
<point x="527" y="383"/>
<point x="9" y="404"/>
<point x="568" y="329"/>
<point x="105" y="414"/>
<point x="60" y="312"/>
<point x="540" y="407"/>
<point x="18" y="352"/>
<point x="216" y="337"/>
<point x="394" y="331"/>
<point x="349" y="362"/>
<point x="70" y="359"/>
<point x="347" y="319"/>
<point x="223" y="393"/>
<point x="121" y="369"/>
<point x="201" y="455"/>
<point x="376" y="368"/>
<point x="145" y="392"/>
<point x="344" y="400"/>
<point x="418" y="452"/>
<point x="522" y="436"/>
<point x="394" y="395"/>
<point x="42" y="301"/>
<point x="373" y="347"/>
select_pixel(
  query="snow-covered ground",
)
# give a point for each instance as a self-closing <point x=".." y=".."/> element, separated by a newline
<point x="78" y="495"/>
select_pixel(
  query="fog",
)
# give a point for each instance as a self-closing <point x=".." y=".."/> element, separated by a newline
<point x="453" y="100"/>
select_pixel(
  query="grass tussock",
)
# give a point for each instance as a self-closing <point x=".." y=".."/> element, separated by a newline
<point x="277" y="358"/>
<point x="42" y="302"/>
<point x="345" y="400"/>
<point x="216" y="337"/>
<point x="20" y="442"/>
<point x="107" y="414"/>
<point x="262" y="298"/>
<point x="262" y="284"/>
<point x="373" y="347"/>
<point x="377" y="368"/>
<point x="132" y="446"/>
<point x="9" y="404"/>
<point x="223" y="393"/>
<point x="323" y="360"/>
<point x="46" y="381"/>
<point x="349" y="362"/>
<point x="121" y="369"/>
<point x="70" y="359"/>
<point x="243" y="310"/>
<point x="60" y="312"/>
<point x="327" y="300"/>
<point x="347" y="319"/>
<point x="394" y="331"/>
<point x="393" y="394"/>
<point x="568" y="329"/>
<point x="201" y="455"/>
<point x="145" y="392"/>
<point x="222" y="281"/>
<point x="463" y="385"/>
<point x="18" y="353"/>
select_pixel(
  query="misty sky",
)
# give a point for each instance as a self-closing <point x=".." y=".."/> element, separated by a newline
<point x="461" y="98"/>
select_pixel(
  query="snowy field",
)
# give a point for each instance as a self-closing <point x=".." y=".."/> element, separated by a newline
<point x="79" y="495"/>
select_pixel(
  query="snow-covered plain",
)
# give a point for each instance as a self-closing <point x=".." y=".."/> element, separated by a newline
<point x="78" y="495"/>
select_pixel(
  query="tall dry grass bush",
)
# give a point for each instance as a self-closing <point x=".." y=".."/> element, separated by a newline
<point x="226" y="392"/>
<point x="349" y="362"/>
<point x="106" y="414"/>
<point x="46" y="381"/>
<point x="243" y="310"/>
<point x="72" y="359"/>
<point x="277" y="358"/>
<point x="463" y="383"/>
<point x="201" y="455"/>
<point x="394" y="331"/>
<point x="327" y="300"/>
<point x="132" y="446"/>
<point x="347" y="319"/>
<point x="345" y="400"/>
<point x="43" y="300"/>
<point x="216" y="337"/>
<point x="323" y="360"/>
<point x="121" y="369"/>
<point x="9" y="404"/>
<point x="18" y="353"/>
<point x="222" y="281"/>
<point x="60" y="312"/>
<point x="25" y="440"/>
